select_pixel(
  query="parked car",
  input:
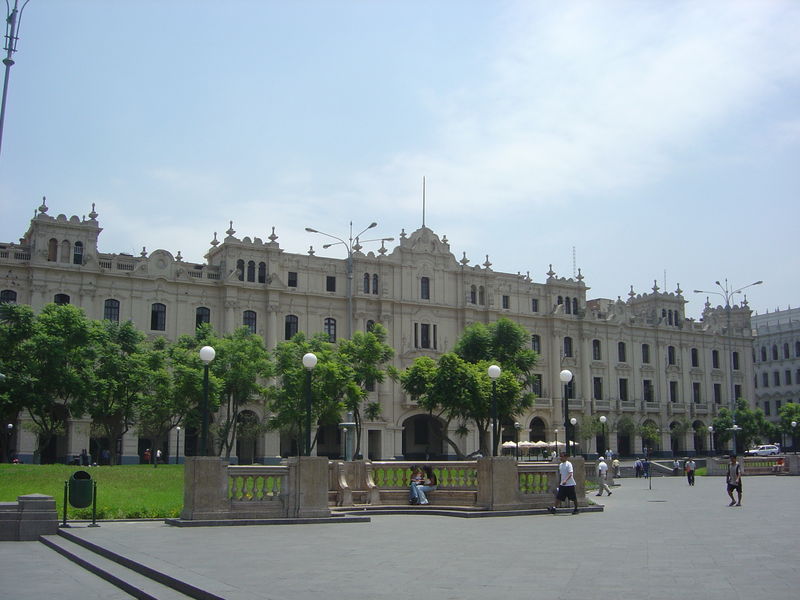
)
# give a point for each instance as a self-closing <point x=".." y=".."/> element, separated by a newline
<point x="763" y="450"/>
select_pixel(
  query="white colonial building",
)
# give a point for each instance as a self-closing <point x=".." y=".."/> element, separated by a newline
<point x="636" y="361"/>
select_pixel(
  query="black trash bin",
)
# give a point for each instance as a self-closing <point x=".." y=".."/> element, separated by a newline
<point x="80" y="489"/>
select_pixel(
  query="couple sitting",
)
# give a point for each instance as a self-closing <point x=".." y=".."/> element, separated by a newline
<point x="423" y="481"/>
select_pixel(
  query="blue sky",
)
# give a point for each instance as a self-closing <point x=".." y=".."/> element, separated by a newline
<point x="659" y="139"/>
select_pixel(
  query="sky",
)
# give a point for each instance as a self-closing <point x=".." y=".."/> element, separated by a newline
<point x="639" y="142"/>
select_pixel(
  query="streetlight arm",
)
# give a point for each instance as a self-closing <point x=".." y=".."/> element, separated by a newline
<point x="338" y="239"/>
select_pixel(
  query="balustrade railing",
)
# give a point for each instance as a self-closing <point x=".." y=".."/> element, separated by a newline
<point x="452" y="474"/>
<point x="537" y="479"/>
<point x="256" y="483"/>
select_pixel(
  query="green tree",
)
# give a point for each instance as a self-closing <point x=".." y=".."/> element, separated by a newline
<point x="367" y="354"/>
<point x="790" y="412"/>
<point x="650" y="434"/>
<point x="53" y="357"/>
<point x="241" y="364"/>
<point x="333" y="386"/>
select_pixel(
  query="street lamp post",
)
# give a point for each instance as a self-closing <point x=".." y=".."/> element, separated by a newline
<point x="178" y="446"/>
<point x="711" y="439"/>
<point x="556" y="432"/>
<point x="516" y="439"/>
<point x="727" y="294"/>
<point x="13" y="19"/>
<point x="794" y="440"/>
<point x="566" y="377"/>
<point x="603" y="420"/>
<point x="207" y="354"/>
<point x="494" y="373"/>
<point x="9" y="433"/>
<point x="573" y="421"/>
<point x="350" y="246"/>
<point x="309" y="362"/>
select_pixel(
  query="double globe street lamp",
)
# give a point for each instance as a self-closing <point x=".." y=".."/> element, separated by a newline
<point x="566" y="376"/>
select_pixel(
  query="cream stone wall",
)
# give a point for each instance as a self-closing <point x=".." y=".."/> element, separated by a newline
<point x="655" y="318"/>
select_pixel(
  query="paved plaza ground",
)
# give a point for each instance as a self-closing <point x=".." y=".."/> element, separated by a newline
<point x="673" y="541"/>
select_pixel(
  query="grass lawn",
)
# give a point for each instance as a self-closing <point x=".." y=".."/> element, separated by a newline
<point x="131" y="491"/>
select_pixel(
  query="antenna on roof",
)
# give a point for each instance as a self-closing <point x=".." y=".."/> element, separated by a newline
<point x="423" y="200"/>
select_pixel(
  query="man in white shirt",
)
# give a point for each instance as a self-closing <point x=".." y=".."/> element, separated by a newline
<point x="691" y="467"/>
<point x="566" y="486"/>
<point x="602" y="477"/>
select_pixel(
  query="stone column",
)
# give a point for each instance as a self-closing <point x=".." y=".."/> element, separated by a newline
<point x="498" y="483"/>
<point x="205" y="488"/>
<point x="308" y="487"/>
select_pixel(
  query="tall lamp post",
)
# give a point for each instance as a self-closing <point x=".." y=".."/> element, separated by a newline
<point x="727" y="294"/>
<point x="566" y="377"/>
<point x="573" y="421"/>
<point x="494" y="373"/>
<point x="516" y="440"/>
<point x="178" y="446"/>
<point x="351" y="247"/>
<point x="794" y="440"/>
<point x="556" y="432"/>
<point x="13" y="19"/>
<point x="711" y="439"/>
<point x="603" y="420"/>
<point x="207" y="354"/>
<point x="309" y="362"/>
<point x="10" y="432"/>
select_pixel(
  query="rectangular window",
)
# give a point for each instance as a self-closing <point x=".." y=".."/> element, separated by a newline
<point x="506" y="301"/>
<point x="696" y="392"/>
<point x="158" y="317"/>
<point x="111" y="311"/>
<point x="291" y="281"/>
<point x="673" y="391"/>
<point x="647" y="390"/>
<point x="597" y="388"/>
<point x="735" y="361"/>
<point x="695" y="358"/>
<point x="717" y="393"/>
<point x="766" y="408"/>
<point x="536" y="384"/>
<point x="536" y="343"/>
<point x="534" y="305"/>
<point x="765" y="380"/>
<point x="596" y="350"/>
<point x="622" y="353"/>
<point x="787" y="377"/>
<point x="623" y="390"/>
<point x="330" y="283"/>
<point x="425" y="288"/>
<point x="646" y="354"/>
<point x="737" y="391"/>
<point x="776" y="378"/>
<point x="715" y="359"/>
<point x="777" y="406"/>
<point x="425" y="335"/>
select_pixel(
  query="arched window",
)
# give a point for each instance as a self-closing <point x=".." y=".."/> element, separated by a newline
<point x="262" y="272"/>
<point x="774" y="352"/>
<point x="567" y="346"/>
<point x="290" y="327"/>
<point x="763" y="354"/>
<point x="597" y="353"/>
<point x="425" y="288"/>
<point x="249" y="320"/>
<point x="567" y="305"/>
<point x="622" y="352"/>
<point x="158" y="316"/>
<point x="370" y="325"/>
<point x="330" y="329"/>
<point x="536" y="343"/>
<point x="786" y="350"/>
<point x="473" y="295"/>
<point x="574" y="306"/>
<point x="61" y="299"/>
<point x="111" y="310"/>
<point x="671" y="355"/>
<point x="669" y="317"/>
<point x="77" y="254"/>
<point x="375" y="283"/>
<point x="251" y="270"/>
<point x="52" y="250"/>
<point x="560" y="300"/>
<point x="240" y="269"/>
<point x="481" y="296"/>
<point x="201" y="315"/>
<point x="366" y="283"/>
<point x="8" y="297"/>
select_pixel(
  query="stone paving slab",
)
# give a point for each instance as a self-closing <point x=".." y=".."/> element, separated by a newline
<point x="672" y="541"/>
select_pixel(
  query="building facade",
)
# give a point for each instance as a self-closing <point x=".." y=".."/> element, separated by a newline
<point x="776" y="358"/>
<point x="638" y="361"/>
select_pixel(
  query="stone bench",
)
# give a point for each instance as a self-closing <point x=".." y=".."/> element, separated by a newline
<point x="438" y="497"/>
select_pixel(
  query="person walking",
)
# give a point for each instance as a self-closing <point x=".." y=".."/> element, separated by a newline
<point x="602" y="477"/>
<point x="637" y="467"/>
<point x="691" y="466"/>
<point x="733" y="479"/>
<point x="615" y="465"/>
<point x="566" y="486"/>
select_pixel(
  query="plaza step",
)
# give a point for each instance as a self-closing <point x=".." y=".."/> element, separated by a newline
<point x="465" y="512"/>
<point x="135" y="579"/>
